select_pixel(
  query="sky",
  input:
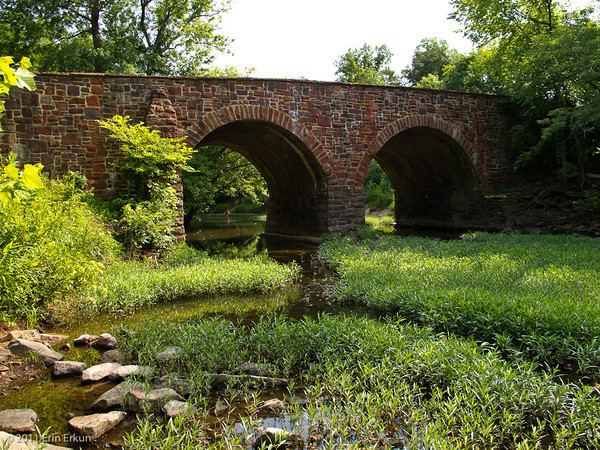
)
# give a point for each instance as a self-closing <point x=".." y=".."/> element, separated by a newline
<point x="293" y="39"/>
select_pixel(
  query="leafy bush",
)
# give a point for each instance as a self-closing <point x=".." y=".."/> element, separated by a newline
<point x="369" y="384"/>
<point x="533" y="296"/>
<point x="51" y="244"/>
<point x="148" y="224"/>
<point x="150" y="210"/>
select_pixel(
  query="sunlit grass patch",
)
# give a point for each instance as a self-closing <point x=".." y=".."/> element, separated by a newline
<point x="368" y="384"/>
<point x="533" y="296"/>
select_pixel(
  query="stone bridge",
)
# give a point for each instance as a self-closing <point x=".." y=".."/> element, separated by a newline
<point x="312" y="141"/>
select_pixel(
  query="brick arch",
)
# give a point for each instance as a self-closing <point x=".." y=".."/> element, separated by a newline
<point x="221" y="117"/>
<point x="406" y="123"/>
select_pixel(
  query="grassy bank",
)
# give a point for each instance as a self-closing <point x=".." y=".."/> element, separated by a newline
<point x="533" y="296"/>
<point x="367" y="384"/>
<point x="127" y="286"/>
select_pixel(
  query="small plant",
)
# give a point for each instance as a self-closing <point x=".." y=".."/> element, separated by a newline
<point x="10" y="75"/>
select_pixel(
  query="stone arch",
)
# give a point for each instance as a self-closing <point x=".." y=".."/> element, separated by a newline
<point x="431" y="166"/>
<point x="405" y="123"/>
<point x="293" y="162"/>
<point x="221" y="117"/>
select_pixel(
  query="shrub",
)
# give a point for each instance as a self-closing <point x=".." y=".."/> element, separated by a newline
<point x="51" y="245"/>
<point x="150" y="210"/>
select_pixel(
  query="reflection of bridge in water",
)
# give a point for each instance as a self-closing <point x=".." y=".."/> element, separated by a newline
<point x="312" y="141"/>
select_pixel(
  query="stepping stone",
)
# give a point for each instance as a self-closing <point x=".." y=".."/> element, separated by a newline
<point x="23" y="347"/>
<point x="66" y="368"/>
<point x="176" y="408"/>
<point x="30" y="335"/>
<point x="104" y="342"/>
<point x="126" y="371"/>
<point x="112" y="356"/>
<point x="169" y="355"/>
<point x="84" y="340"/>
<point x="18" y="420"/>
<point x="10" y="442"/>
<point x="183" y="386"/>
<point x="95" y="425"/>
<point x="114" y="398"/>
<point x="99" y="372"/>
<point x="138" y="400"/>
<point x="273" y="405"/>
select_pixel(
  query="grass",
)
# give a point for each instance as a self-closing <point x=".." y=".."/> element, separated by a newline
<point x="535" y="297"/>
<point x="127" y="286"/>
<point x="367" y="384"/>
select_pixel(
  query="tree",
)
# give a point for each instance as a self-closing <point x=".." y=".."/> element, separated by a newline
<point x="147" y="36"/>
<point x="220" y="175"/>
<point x="547" y="60"/>
<point x="429" y="58"/>
<point x="366" y="65"/>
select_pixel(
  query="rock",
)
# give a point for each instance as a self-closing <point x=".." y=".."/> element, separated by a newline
<point x="18" y="420"/>
<point x="169" y="355"/>
<point x="181" y="385"/>
<point x="99" y="372"/>
<point x="221" y="379"/>
<point x="126" y="371"/>
<point x="10" y="442"/>
<point x="84" y="340"/>
<point x="23" y="347"/>
<point x="95" y="425"/>
<point x="66" y="368"/>
<point x="175" y="408"/>
<point x="273" y="405"/>
<point x="271" y="437"/>
<point x="221" y="407"/>
<point x="66" y="347"/>
<point x="112" y="356"/>
<point x="114" y="398"/>
<point x="3" y="368"/>
<point x="252" y="368"/>
<point x="104" y="342"/>
<point x="30" y="335"/>
<point x="138" y="400"/>
<point x="52" y="339"/>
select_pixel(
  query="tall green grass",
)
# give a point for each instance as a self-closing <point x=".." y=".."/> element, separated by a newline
<point x="131" y="285"/>
<point x="536" y="297"/>
<point x="368" y="384"/>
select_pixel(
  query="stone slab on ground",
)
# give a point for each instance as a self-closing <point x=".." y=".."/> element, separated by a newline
<point x="99" y="372"/>
<point x="11" y="442"/>
<point x="114" y="398"/>
<point x="176" y="408"/>
<point x="23" y="347"/>
<point x="84" y="340"/>
<point x="169" y="355"/>
<point x="271" y="437"/>
<point x="127" y="371"/>
<point x="18" y="420"/>
<point x="138" y="399"/>
<point x="95" y="425"/>
<point x="221" y="379"/>
<point x="105" y="341"/>
<point x="67" y="368"/>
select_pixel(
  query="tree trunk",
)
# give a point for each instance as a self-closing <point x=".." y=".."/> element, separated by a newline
<point x="95" y="10"/>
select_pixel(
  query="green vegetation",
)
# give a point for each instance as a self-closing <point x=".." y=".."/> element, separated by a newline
<point x="222" y="178"/>
<point x="52" y="246"/>
<point x="532" y="296"/>
<point x="150" y="208"/>
<point x="366" y="65"/>
<point x="10" y="75"/>
<point x="147" y="36"/>
<point x="378" y="189"/>
<point x="381" y="223"/>
<point x="185" y="272"/>
<point x="367" y="384"/>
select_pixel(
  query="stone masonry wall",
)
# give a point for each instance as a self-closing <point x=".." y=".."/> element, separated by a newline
<point x="342" y="125"/>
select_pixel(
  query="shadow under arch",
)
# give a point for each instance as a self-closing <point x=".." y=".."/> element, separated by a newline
<point x="295" y="177"/>
<point x="431" y="168"/>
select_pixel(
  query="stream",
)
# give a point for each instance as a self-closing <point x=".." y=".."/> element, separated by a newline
<point x="57" y="400"/>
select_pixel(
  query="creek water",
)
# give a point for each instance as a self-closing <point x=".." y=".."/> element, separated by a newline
<point x="237" y="235"/>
